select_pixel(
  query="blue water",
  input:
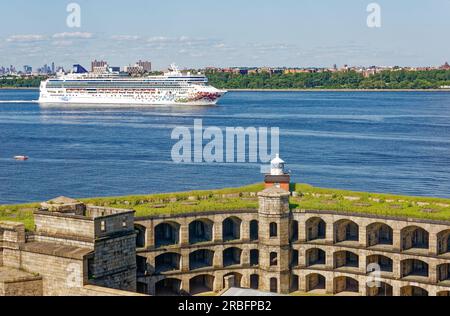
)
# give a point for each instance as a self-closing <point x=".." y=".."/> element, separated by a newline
<point x="397" y="142"/>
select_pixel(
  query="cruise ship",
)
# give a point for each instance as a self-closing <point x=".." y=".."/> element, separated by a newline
<point x="171" y="88"/>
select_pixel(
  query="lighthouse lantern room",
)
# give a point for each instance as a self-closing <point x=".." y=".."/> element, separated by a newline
<point x="278" y="177"/>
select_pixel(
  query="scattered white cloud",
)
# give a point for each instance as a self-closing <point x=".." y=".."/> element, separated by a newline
<point x="188" y="51"/>
<point x="81" y="35"/>
<point x="183" y="40"/>
<point x="161" y="39"/>
<point x="62" y="43"/>
<point x="125" y="37"/>
<point x="26" y="38"/>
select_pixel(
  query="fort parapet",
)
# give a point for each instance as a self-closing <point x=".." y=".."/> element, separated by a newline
<point x="74" y="250"/>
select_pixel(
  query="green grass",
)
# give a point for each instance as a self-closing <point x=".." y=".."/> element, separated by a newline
<point x="309" y="198"/>
<point x="185" y="202"/>
<point x="19" y="213"/>
<point x="312" y="198"/>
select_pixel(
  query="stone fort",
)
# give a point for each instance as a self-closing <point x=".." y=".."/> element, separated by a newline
<point x="78" y="249"/>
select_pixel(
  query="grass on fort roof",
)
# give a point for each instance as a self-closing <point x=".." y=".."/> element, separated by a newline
<point x="309" y="198"/>
<point x="313" y="198"/>
<point x="22" y="213"/>
<point x="185" y="202"/>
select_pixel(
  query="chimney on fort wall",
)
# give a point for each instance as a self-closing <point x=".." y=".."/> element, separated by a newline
<point x="64" y="205"/>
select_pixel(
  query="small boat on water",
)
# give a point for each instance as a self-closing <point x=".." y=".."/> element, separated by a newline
<point x="22" y="158"/>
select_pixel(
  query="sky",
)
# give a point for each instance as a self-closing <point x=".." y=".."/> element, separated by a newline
<point x="225" y="33"/>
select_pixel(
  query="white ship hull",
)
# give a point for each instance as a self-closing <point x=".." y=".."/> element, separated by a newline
<point x="119" y="100"/>
<point x="172" y="88"/>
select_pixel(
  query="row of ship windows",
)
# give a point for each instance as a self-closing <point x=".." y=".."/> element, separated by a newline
<point x="130" y="81"/>
<point x="75" y="93"/>
<point x="99" y="95"/>
<point x="131" y="84"/>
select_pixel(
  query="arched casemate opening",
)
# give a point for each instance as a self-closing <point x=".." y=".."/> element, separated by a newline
<point x="293" y="231"/>
<point x="141" y="265"/>
<point x="379" y="234"/>
<point x="231" y="229"/>
<point x="315" y="282"/>
<point x="168" y="287"/>
<point x="381" y="289"/>
<point x="254" y="230"/>
<point x="443" y="241"/>
<point x="414" y="237"/>
<point x="232" y="256"/>
<point x="140" y="235"/>
<point x="315" y="229"/>
<point x="254" y="281"/>
<point x="443" y="272"/>
<point x="274" y="285"/>
<point x="200" y="230"/>
<point x="345" y="230"/>
<point x="202" y="258"/>
<point x="167" y="234"/>
<point x="443" y="293"/>
<point x="413" y="291"/>
<point x="385" y="263"/>
<point x="345" y="259"/>
<point x="345" y="284"/>
<point x="237" y="278"/>
<point x="201" y="284"/>
<point x="167" y="262"/>
<point x="294" y="283"/>
<point x="414" y="267"/>
<point x="315" y="256"/>
<point x="254" y="257"/>
<point x="294" y="258"/>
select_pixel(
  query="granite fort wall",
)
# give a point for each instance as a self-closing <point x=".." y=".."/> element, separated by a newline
<point x="293" y="249"/>
<point x="271" y="249"/>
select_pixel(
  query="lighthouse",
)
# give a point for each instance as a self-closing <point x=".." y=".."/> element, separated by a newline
<point x="278" y="177"/>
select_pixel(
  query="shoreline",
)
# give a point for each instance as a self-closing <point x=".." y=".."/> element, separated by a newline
<point x="290" y="90"/>
<point x="19" y="88"/>
<point x="338" y="90"/>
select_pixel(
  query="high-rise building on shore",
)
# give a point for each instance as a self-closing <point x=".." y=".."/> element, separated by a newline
<point x="146" y="65"/>
<point x="96" y="64"/>
<point x="27" y="69"/>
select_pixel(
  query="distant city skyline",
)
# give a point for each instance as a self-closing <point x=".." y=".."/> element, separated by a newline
<point x="197" y="34"/>
<point x="142" y="67"/>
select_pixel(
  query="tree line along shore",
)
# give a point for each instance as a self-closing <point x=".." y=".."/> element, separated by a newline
<point x="342" y="80"/>
<point x="349" y="80"/>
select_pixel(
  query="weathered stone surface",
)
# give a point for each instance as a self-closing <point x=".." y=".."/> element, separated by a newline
<point x="334" y="269"/>
<point x="74" y="246"/>
<point x="272" y="248"/>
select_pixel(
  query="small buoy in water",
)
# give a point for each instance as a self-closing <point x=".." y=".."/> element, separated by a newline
<point x="23" y="158"/>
